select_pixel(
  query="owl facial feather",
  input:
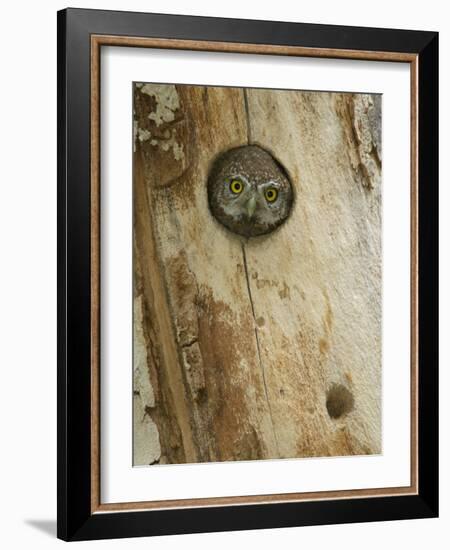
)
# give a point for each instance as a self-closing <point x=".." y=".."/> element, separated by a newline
<point x="249" y="212"/>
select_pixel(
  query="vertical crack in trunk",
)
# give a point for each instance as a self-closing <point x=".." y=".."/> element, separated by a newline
<point x="258" y="347"/>
<point x="247" y="279"/>
<point x="247" y="114"/>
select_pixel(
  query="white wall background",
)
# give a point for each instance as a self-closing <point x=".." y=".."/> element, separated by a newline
<point x="28" y="273"/>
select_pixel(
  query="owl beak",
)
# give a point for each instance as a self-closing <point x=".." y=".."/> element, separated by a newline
<point x="251" y="207"/>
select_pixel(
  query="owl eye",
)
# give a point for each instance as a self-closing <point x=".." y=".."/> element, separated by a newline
<point x="271" y="194"/>
<point x="236" y="186"/>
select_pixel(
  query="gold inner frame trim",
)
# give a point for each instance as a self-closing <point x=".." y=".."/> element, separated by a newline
<point x="175" y="44"/>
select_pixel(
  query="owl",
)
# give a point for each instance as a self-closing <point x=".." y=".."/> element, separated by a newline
<point x="249" y="192"/>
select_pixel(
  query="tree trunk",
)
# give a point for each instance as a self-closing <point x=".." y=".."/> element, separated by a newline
<point x="267" y="347"/>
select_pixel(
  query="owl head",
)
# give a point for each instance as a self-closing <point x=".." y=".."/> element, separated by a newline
<point x="249" y="192"/>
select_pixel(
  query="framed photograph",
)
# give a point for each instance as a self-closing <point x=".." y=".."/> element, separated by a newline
<point x="247" y="255"/>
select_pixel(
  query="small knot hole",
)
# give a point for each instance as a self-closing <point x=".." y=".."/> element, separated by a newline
<point x="340" y="401"/>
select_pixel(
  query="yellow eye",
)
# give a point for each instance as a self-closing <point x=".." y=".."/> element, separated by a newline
<point x="271" y="194"/>
<point x="236" y="186"/>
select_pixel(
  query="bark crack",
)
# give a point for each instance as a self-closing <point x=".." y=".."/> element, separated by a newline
<point x="189" y="343"/>
<point x="247" y="114"/>
<point x="258" y="348"/>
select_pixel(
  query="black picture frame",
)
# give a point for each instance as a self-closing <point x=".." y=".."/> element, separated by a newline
<point x="75" y="518"/>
